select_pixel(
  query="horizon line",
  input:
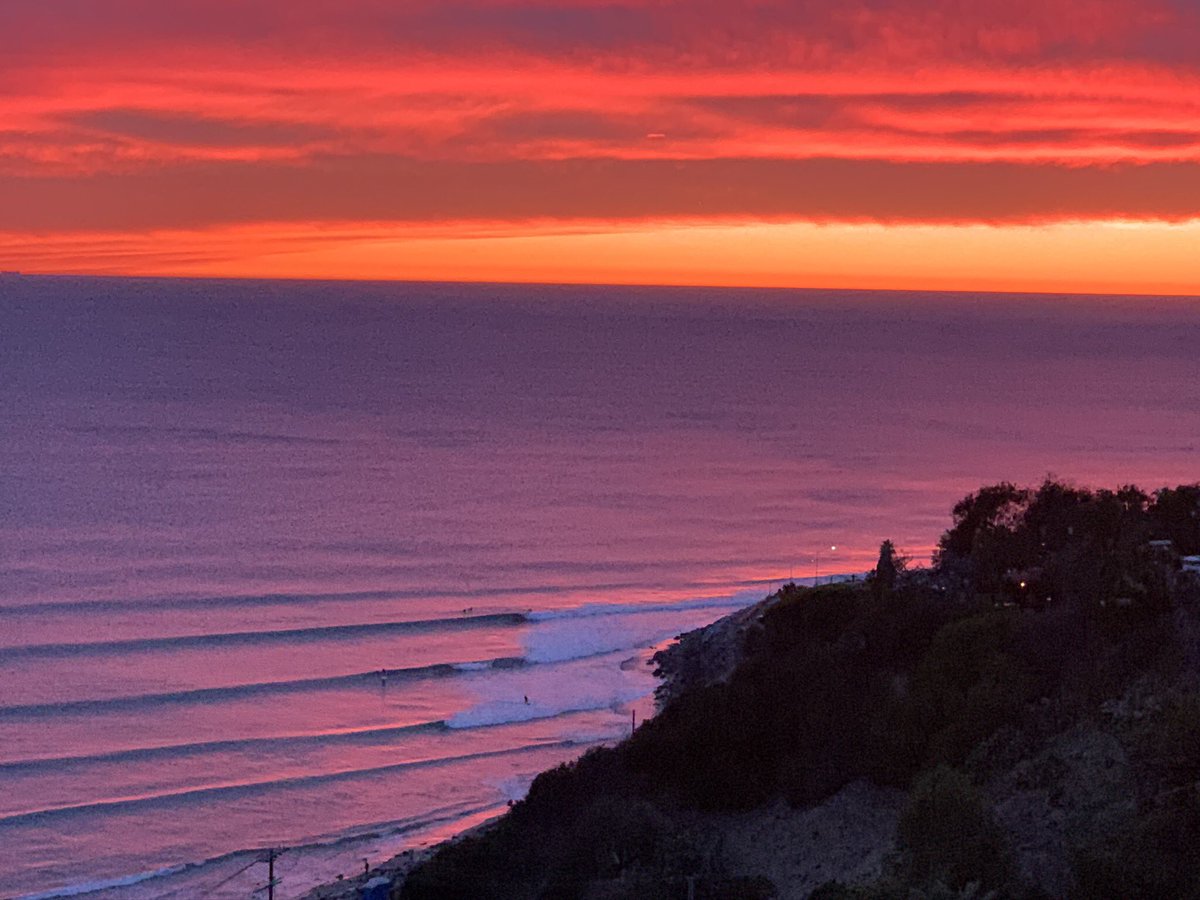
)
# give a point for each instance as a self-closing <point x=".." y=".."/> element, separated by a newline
<point x="13" y="274"/>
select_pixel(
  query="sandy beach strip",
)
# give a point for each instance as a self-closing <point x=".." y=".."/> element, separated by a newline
<point x="397" y="868"/>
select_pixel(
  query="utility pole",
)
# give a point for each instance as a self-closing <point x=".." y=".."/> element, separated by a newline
<point x="269" y="887"/>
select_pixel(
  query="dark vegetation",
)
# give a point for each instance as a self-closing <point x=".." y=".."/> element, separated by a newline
<point x="1041" y="605"/>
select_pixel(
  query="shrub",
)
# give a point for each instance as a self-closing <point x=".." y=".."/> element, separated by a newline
<point x="945" y="834"/>
<point x="644" y="885"/>
<point x="474" y="868"/>
<point x="835" y="890"/>
<point x="1177" y="740"/>
<point x="1155" y="857"/>
<point x="815" y="616"/>
<point x="711" y="749"/>
<point x="967" y="686"/>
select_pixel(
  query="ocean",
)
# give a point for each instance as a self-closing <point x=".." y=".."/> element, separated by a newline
<point x="337" y="568"/>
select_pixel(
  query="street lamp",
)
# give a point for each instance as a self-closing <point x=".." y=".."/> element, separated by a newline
<point x="817" y="565"/>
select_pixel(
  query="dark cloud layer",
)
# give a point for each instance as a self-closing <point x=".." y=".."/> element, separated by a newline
<point x="183" y="129"/>
<point x="714" y="31"/>
<point x="392" y="189"/>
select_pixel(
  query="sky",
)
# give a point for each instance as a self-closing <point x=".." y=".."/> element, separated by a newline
<point x="1039" y="145"/>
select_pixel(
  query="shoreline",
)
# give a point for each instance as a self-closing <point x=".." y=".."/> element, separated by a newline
<point x="397" y="868"/>
<point x="700" y="655"/>
<point x="344" y="878"/>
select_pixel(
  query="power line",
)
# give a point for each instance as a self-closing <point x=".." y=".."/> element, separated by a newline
<point x="272" y="855"/>
<point x="221" y="884"/>
<point x="271" y="869"/>
<point x="205" y="892"/>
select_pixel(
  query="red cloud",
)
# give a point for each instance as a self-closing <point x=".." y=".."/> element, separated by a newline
<point x="143" y="114"/>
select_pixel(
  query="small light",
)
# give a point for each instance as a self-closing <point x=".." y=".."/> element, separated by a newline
<point x="1022" y="584"/>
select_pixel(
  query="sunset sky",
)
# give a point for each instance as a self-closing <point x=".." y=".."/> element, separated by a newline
<point x="1019" y="145"/>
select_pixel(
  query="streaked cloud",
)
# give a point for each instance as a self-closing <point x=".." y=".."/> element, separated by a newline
<point x="392" y="188"/>
<point x="137" y="117"/>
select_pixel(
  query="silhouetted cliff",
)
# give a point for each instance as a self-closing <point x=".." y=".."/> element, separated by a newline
<point x="1021" y="719"/>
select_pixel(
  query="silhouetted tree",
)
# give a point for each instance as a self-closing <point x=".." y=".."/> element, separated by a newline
<point x="987" y="535"/>
<point x="992" y="507"/>
<point x="1175" y="515"/>
<point x="886" y="569"/>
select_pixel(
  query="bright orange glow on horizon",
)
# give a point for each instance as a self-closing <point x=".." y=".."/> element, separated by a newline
<point x="906" y="144"/>
<point x="1092" y="257"/>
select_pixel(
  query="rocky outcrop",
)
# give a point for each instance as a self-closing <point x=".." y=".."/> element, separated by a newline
<point x="707" y="655"/>
<point x="1078" y="788"/>
<point x="847" y="839"/>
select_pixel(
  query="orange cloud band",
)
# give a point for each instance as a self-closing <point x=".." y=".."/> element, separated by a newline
<point x="1091" y="257"/>
<point x="179" y="129"/>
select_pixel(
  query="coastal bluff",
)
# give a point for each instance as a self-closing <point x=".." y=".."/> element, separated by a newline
<point x="1019" y="720"/>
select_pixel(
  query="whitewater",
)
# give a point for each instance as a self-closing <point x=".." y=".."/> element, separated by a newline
<point x="337" y="569"/>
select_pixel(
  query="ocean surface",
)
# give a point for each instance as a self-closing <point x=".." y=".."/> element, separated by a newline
<point x="338" y="568"/>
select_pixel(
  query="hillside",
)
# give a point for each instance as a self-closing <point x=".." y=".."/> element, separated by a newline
<point x="1021" y="720"/>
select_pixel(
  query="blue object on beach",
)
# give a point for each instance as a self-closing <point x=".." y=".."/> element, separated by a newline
<point x="378" y="888"/>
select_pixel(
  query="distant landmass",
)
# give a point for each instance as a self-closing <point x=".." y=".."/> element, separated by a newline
<point x="1021" y="719"/>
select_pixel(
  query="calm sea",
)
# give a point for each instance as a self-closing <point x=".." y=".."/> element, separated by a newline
<point x="337" y="568"/>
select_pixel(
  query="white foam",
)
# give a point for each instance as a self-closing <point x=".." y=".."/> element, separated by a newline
<point x="546" y="691"/>
<point x="580" y="632"/>
<point x="509" y="712"/>
<point x="588" y="610"/>
<point x="583" y="666"/>
<point x="581" y="661"/>
<point x="91" y="887"/>
<point x="512" y="789"/>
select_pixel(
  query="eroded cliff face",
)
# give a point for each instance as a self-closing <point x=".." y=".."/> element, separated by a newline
<point x="1076" y="782"/>
<point x="1075" y="790"/>
<point x="847" y="839"/>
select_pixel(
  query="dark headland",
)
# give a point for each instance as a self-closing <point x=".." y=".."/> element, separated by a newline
<point x="1019" y="720"/>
